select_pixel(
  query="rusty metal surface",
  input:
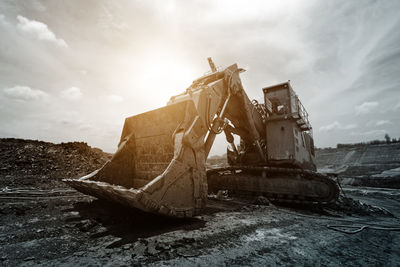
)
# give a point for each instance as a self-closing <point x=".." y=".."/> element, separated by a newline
<point x="159" y="166"/>
<point x="277" y="184"/>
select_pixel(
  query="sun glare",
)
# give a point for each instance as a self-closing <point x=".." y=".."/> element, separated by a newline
<point x="155" y="76"/>
<point x="167" y="76"/>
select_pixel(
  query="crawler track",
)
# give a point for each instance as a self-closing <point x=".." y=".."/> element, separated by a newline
<point x="277" y="184"/>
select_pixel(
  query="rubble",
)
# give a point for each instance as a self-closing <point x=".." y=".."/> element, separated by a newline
<point x="351" y="206"/>
<point x="42" y="221"/>
<point x="260" y="200"/>
<point x="30" y="162"/>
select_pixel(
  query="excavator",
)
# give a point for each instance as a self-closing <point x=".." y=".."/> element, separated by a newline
<point x="160" y="164"/>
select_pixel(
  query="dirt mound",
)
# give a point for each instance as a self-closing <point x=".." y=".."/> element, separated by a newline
<point x="31" y="161"/>
<point x="352" y="206"/>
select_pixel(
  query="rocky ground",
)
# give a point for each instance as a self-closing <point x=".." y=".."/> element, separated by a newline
<point x="43" y="222"/>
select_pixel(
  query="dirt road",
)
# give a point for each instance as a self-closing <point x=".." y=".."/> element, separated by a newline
<point x="60" y="226"/>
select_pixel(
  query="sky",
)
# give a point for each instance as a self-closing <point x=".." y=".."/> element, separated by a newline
<point x="74" y="70"/>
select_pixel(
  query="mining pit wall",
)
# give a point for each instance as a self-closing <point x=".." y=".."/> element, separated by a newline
<point x="366" y="165"/>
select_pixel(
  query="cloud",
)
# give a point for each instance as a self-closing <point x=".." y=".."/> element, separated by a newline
<point x="337" y="126"/>
<point x="115" y="98"/>
<point x="382" y="122"/>
<point x="72" y="93"/>
<point x="66" y="122"/>
<point x="365" y="108"/>
<point x="86" y="127"/>
<point x="2" y="19"/>
<point x="38" y="30"/>
<point x="369" y="133"/>
<point x="24" y="93"/>
<point x="336" y="54"/>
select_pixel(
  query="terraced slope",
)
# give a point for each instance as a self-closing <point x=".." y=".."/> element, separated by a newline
<point x="369" y="165"/>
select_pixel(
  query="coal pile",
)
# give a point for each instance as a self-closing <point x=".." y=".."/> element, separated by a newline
<point x="31" y="162"/>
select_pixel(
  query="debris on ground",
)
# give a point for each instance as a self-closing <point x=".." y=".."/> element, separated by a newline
<point x="351" y="206"/>
<point x="44" y="222"/>
<point x="260" y="200"/>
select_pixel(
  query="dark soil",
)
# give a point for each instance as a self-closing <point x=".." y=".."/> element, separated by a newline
<point x="44" y="222"/>
<point x="35" y="163"/>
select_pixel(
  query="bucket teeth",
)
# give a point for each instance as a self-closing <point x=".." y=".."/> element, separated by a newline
<point x="159" y="165"/>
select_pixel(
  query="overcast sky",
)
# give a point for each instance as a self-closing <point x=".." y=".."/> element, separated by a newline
<point x="73" y="70"/>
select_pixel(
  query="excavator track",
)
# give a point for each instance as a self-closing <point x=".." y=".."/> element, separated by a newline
<point x="287" y="185"/>
<point x="159" y="166"/>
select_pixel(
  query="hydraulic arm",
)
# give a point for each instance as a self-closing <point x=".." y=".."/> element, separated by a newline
<point x="159" y="166"/>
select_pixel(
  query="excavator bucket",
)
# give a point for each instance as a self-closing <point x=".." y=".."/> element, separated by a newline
<point x="159" y="164"/>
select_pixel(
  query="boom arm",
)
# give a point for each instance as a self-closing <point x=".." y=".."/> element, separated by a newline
<point x="224" y="105"/>
<point x="159" y="166"/>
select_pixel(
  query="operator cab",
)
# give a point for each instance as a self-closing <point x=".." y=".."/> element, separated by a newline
<point x="288" y="130"/>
